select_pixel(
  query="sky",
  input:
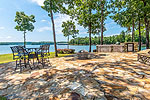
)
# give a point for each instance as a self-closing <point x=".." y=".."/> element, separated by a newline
<point x="43" y="27"/>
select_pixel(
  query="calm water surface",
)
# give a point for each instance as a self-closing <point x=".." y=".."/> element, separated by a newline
<point x="5" y="49"/>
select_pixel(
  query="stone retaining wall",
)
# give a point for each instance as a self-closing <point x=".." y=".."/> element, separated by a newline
<point x="117" y="48"/>
<point x="110" y="48"/>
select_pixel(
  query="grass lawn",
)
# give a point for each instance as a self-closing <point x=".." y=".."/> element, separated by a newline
<point x="5" y="58"/>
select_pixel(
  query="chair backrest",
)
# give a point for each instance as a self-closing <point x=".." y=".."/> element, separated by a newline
<point x="44" y="48"/>
<point x="20" y="49"/>
<point x="15" y="51"/>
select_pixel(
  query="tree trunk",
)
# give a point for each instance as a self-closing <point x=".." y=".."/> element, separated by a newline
<point x="147" y="33"/>
<point x="102" y="22"/>
<point x="56" y="55"/>
<point x="139" y="35"/>
<point x="90" y="42"/>
<point x="124" y="37"/>
<point x="147" y="26"/>
<point x="24" y="39"/>
<point x="68" y="42"/>
<point x="133" y="40"/>
<point x="74" y="41"/>
<point x="99" y="38"/>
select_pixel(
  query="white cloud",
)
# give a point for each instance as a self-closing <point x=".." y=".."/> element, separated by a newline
<point x="43" y="20"/>
<point x="58" y="19"/>
<point x="2" y="28"/>
<point x="112" y="34"/>
<point x="8" y="37"/>
<point x="42" y="29"/>
<point x="39" y="2"/>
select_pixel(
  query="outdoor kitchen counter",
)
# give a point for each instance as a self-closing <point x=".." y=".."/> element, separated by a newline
<point x="110" y="48"/>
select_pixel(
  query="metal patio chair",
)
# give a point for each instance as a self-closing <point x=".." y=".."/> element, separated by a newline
<point x="20" y="54"/>
<point x="16" y="55"/>
<point x="43" y="54"/>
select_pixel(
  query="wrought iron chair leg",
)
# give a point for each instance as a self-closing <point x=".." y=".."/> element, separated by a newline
<point x="20" y="66"/>
<point x="38" y="61"/>
<point x="43" y="63"/>
<point x="25" y="63"/>
<point x="29" y="64"/>
<point x="46" y="61"/>
<point x="16" y="65"/>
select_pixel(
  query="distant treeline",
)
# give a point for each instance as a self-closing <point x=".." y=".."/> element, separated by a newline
<point x="121" y="38"/>
<point x="32" y="43"/>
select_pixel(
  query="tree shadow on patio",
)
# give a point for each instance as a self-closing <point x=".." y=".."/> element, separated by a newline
<point x="126" y="72"/>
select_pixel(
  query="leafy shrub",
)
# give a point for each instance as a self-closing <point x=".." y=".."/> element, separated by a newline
<point x="3" y="98"/>
<point x="65" y="51"/>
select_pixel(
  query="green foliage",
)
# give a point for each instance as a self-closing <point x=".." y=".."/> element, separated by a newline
<point x="24" y="22"/>
<point x="90" y="14"/>
<point x="121" y="38"/>
<point x="69" y="29"/>
<point x="124" y="12"/>
<point x="3" y="98"/>
<point x="89" y="11"/>
<point x="129" y="13"/>
<point x="52" y="5"/>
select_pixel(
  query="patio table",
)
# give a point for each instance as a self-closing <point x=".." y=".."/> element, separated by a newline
<point x="41" y="54"/>
<point x="33" y="54"/>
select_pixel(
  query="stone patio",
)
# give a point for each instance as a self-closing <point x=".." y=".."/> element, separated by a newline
<point x="107" y="76"/>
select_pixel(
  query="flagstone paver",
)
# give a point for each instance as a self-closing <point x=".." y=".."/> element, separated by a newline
<point x="108" y="76"/>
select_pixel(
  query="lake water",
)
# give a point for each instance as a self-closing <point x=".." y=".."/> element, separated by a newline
<point x="5" y="49"/>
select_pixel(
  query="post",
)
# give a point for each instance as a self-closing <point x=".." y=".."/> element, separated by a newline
<point x="24" y="39"/>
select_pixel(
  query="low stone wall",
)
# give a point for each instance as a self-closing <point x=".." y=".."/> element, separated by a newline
<point x="135" y="46"/>
<point x="118" y="48"/>
<point x="110" y="48"/>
